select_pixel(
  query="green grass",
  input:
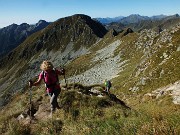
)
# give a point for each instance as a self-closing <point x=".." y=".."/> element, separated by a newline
<point x="90" y="115"/>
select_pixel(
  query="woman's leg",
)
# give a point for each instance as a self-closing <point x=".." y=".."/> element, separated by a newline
<point x="53" y="100"/>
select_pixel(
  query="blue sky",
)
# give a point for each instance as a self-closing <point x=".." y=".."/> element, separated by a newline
<point x="31" y="11"/>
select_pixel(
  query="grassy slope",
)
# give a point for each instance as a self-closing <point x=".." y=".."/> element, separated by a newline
<point x="83" y="114"/>
<point x="138" y="60"/>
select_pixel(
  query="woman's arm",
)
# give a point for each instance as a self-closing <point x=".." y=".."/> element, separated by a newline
<point x="35" y="83"/>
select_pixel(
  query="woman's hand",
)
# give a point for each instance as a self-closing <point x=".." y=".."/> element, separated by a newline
<point x="30" y="83"/>
<point x="62" y="70"/>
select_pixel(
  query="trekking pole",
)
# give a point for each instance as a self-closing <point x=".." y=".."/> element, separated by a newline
<point x="30" y="99"/>
<point x="63" y="71"/>
<point x="65" y="81"/>
<point x="74" y="79"/>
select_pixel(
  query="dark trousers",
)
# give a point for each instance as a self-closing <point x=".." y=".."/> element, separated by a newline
<point x="53" y="98"/>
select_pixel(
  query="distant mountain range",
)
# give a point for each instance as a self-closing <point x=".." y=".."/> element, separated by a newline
<point x="134" y="18"/>
<point x="109" y="20"/>
<point x="13" y="35"/>
<point x="138" y="23"/>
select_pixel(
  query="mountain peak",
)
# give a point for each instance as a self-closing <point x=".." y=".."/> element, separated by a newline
<point x="41" y="21"/>
<point x="12" y="25"/>
<point x="134" y="15"/>
<point x="41" y="24"/>
<point x="176" y="15"/>
<point x="81" y="15"/>
<point x="81" y="19"/>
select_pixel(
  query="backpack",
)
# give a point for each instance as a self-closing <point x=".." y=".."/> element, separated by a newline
<point x="108" y="83"/>
<point x="50" y="85"/>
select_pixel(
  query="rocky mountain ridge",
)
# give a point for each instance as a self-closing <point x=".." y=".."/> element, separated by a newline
<point x="138" y="23"/>
<point x="10" y="39"/>
<point x="133" y="18"/>
<point x="13" y="35"/>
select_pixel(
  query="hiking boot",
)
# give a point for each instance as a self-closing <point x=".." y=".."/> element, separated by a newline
<point x="58" y="107"/>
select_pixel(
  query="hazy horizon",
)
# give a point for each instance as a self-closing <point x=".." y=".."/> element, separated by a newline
<point x="32" y="11"/>
<point x="84" y="14"/>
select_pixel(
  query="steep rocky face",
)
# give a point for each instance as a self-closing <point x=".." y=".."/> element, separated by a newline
<point x="13" y="35"/>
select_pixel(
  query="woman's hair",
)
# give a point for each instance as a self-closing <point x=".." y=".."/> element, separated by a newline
<point x="46" y="65"/>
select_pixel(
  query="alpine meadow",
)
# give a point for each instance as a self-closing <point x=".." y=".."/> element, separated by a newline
<point x="139" y="55"/>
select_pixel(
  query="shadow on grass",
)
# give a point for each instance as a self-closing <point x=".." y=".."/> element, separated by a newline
<point x="116" y="100"/>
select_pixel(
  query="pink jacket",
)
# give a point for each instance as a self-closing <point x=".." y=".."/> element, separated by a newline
<point x="51" y="79"/>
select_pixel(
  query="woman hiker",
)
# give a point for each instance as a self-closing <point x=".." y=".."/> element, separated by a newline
<point x="50" y="77"/>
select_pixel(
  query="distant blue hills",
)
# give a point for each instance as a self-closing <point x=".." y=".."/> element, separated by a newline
<point x="109" y="20"/>
<point x="134" y="18"/>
